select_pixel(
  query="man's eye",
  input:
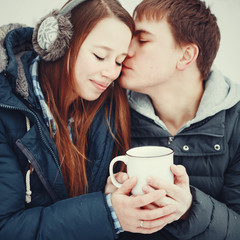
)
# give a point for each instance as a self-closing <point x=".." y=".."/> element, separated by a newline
<point x="99" y="58"/>
<point x="142" y="41"/>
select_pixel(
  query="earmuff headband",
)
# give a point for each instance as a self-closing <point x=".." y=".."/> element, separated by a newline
<point x="53" y="33"/>
<point x="70" y="6"/>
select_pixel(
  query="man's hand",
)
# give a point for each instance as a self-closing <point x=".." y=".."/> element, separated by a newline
<point x="177" y="194"/>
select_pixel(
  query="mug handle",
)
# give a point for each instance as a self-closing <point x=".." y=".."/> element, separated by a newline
<point x="121" y="158"/>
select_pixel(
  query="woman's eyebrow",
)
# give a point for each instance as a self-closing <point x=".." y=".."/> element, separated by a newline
<point x="108" y="49"/>
<point x="103" y="47"/>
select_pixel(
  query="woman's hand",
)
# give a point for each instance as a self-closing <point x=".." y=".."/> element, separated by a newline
<point x="121" y="177"/>
<point x="177" y="194"/>
<point x="131" y="214"/>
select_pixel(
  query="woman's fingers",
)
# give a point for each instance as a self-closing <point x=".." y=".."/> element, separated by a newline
<point x="130" y="212"/>
<point x="121" y="177"/>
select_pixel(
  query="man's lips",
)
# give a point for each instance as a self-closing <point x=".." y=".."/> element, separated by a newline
<point x="126" y="67"/>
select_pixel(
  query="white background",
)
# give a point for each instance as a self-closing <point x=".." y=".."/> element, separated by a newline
<point x="227" y="12"/>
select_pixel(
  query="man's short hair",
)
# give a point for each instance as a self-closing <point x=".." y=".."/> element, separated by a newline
<point x="190" y="21"/>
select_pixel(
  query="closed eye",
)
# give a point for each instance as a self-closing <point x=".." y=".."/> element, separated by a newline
<point x="99" y="58"/>
<point x="102" y="59"/>
<point x="142" y="41"/>
<point x="143" y="36"/>
<point x="118" y="64"/>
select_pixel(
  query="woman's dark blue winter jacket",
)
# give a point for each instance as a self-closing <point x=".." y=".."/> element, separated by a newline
<point x="50" y="214"/>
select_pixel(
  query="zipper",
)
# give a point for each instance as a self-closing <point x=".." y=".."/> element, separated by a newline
<point x="33" y="162"/>
<point x="39" y="127"/>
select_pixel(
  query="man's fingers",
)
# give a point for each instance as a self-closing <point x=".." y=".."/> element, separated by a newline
<point x="180" y="173"/>
<point x="153" y="214"/>
<point x="151" y="206"/>
<point x="164" y="201"/>
<point x="157" y="183"/>
<point x="143" y="200"/>
<point x="181" y="179"/>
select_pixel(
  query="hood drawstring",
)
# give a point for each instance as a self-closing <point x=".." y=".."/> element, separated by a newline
<point x="28" y="187"/>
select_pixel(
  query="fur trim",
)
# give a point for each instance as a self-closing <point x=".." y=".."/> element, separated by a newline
<point x="21" y="81"/>
<point x="4" y="30"/>
<point x="59" y="47"/>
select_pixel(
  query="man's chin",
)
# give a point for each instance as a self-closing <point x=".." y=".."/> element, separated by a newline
<point x="128" y="81"/>
<point x="123" y="81"/>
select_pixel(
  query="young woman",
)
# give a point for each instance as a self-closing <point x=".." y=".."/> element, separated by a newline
<point x="59" y="126"/>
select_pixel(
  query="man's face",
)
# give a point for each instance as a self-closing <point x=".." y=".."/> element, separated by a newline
<point x="153" y="55"/>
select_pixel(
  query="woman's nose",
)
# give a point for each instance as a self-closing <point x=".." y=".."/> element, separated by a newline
<point x="111" y="72"/>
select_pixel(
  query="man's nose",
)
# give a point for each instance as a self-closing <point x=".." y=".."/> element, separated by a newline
<point x="131" y="49"/>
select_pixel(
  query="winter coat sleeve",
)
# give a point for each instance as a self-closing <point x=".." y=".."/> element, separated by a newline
<point x="210" y="218"/>
<point x="83" y="217"/>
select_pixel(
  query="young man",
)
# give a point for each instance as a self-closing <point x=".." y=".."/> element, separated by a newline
<point x="179" y="100"/>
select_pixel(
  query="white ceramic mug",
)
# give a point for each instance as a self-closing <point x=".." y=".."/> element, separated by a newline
<point x="143" y="162"/>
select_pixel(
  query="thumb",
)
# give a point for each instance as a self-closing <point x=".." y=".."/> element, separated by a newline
<point x="121" y="177"/>
<point x="127" y="186"/>
<point x="181" y="176"/>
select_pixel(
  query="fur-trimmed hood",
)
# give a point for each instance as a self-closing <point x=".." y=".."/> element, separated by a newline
<point x="15" y="41"/>
<point x="4" y="30"/>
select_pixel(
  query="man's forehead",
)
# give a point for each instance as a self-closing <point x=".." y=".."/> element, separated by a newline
<point x="150" y="27"/>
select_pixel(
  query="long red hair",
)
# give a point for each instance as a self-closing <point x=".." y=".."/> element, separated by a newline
<point x="57" y="83"/>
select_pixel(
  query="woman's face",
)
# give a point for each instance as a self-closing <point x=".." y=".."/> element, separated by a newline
<point x="99" y="60"/>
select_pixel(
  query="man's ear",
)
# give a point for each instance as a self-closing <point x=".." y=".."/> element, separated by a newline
<point x="190" y="54"/>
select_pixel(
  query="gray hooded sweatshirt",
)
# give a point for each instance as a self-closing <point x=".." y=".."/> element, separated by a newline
<point x="220" y="94"/>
